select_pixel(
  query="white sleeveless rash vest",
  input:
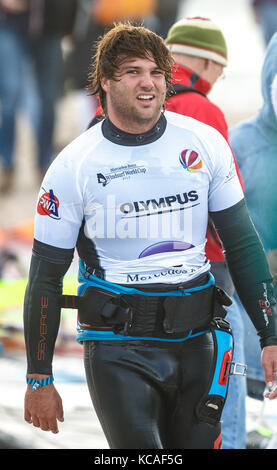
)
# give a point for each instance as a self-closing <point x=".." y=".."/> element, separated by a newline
<point x="142" y="206"/>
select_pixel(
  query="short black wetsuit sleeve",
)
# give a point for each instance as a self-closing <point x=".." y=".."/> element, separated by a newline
<point x="249" y="269"/>
<point x="42" y="304"/>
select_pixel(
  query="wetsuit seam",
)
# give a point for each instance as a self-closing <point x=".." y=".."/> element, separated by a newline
<point x="96" y="395"/>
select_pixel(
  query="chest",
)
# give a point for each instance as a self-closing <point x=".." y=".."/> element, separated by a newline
<point x="146" y="178"/>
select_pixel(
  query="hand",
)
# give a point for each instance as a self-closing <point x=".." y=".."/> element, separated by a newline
<point x="43" y="407"/>
<point x="269" y="363"/>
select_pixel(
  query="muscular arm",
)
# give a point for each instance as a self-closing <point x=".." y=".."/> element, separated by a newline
<point x="249" y="269"/>
<point x="42" y="305"/>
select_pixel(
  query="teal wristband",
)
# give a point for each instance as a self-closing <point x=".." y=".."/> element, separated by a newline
<point x="40" y="383"/>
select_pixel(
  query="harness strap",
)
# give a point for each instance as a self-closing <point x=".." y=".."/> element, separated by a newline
<point x="105" y="306"/>
<point x="86" y="279"/>
<point x="70" y="301"/>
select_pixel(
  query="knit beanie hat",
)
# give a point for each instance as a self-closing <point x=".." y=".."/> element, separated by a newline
<point x="199" y="37"/>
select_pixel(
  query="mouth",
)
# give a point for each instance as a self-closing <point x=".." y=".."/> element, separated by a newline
<point x="145" y="98"/>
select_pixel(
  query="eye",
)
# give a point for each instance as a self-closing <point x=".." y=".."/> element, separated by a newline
<point x="158" y="72"/>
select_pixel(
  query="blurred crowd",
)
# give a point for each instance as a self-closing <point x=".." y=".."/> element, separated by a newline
<point x="37" y="69"/>
<point x="45" y="51"/>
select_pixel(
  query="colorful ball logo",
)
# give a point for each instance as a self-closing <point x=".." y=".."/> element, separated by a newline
<point x="190" y="160"/>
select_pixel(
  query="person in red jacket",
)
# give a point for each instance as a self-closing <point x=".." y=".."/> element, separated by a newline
<point x="200" y="53"/>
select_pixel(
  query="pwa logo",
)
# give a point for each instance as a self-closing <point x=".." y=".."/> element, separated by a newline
<point x="48" y="204"/>
<point x="190" y="160"/>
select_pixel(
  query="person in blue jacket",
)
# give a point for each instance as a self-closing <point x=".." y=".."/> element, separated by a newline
<point x="254" y="142"/>
<point x="265" y="13"/>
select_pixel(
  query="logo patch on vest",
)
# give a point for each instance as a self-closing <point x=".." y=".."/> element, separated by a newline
<point x="48" y="204"/>
<point x="190" y="160"/>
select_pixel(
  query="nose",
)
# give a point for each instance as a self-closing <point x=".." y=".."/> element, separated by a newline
<point x="147" y="81"/>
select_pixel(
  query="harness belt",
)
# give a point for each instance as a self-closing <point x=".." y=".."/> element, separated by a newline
<point x="146" y="313"/>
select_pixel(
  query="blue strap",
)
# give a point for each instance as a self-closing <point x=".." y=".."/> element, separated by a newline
<point x="95" y="281"/>
<point x="40" y="383"/>
<point x="224" y="343"/>
<point x="90" y="335"/>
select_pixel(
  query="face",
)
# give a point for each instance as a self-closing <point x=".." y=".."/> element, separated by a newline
<point x="136" y="95"/>
<point x="213" y="72"/>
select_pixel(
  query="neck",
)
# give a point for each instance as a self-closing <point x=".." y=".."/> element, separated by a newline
<point x="120" y="137"/>
<point x="133" y="127"/>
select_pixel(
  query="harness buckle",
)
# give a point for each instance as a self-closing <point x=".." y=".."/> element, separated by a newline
<point x="221" y="324"/>
<point x="234" y="369"/>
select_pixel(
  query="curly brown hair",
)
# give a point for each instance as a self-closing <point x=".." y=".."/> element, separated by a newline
<point x="127" y="40"/>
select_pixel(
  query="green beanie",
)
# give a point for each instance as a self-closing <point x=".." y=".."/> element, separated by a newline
<point x="198" y="37"/>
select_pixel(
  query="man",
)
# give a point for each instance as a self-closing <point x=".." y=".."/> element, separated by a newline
<point x="132" y="194"/>
<point x="199" y="50"/>
<point x="255" y="144"/>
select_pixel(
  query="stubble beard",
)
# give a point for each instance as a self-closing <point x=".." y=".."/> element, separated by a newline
<point x="131" y="117"/>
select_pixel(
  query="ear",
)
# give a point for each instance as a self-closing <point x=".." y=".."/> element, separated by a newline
<point x="207" y="64"/>
<point x="105" y="83"/>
